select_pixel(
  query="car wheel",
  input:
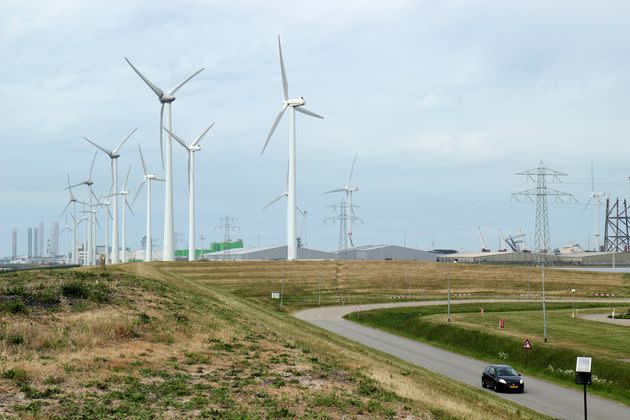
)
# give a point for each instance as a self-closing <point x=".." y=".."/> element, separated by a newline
<point x="483" y="383"/>
<point x="496" y="387"/>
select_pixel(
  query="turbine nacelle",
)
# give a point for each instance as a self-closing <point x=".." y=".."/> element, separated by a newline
<point x="166" y="98"/>
<point x="294" y="102"/>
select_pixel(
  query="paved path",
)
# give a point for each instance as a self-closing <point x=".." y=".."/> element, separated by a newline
<point x="542" y="396"/>
<point x="604" y="318"/>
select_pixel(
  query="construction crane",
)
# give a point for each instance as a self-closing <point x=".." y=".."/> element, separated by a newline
<point x="516" y="242"/>
<point x="483" y="243"/>
<point x="501" y="242"/>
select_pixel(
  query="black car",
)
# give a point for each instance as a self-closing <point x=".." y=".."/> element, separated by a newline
<point x="502" y="378"/>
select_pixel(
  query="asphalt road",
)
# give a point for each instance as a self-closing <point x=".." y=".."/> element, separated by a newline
<point x="542" y="396"/>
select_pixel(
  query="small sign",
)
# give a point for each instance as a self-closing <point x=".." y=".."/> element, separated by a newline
<point x="275" y="295"/>
<point x="583" y="364"/>
<point x="501" y="324"/>
<point x="527" y="345"/>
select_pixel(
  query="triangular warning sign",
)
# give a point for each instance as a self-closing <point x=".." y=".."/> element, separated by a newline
<point x="527" y="345"/>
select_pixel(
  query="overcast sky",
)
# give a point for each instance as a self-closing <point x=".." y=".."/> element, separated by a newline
<point x="443" y="101"/>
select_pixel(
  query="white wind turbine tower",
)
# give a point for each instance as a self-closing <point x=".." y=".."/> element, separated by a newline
<point x="295" y="105"/>
<point x="595" y="196"/>
<point x="348" y="189"/>
<point x="90" y="252"/>
<point x="73" y="200"/>
<point x="113" y="156"/>
<point x="124" y="193"/>
<point x="168" y="253"/>
<point x="148" y="178"/>
<point x="194" y="147"/>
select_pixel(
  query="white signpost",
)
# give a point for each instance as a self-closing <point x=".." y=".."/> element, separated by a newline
<point x="583" y="376"/>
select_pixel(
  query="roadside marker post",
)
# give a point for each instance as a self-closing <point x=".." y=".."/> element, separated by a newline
<point x="482" y="311"/>
<point x="501" y="323"/>
<point x="583" y="376"/>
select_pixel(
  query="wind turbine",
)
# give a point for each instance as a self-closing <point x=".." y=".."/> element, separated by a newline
<point x="595" y="195"/>
<point x="73" y="200"/>
<point x="168" y="253"/>
<point x="148" y="178"/>
<point x="295" y="105"/>
<point x="91" y="236"/>
<point x="124" y="193"/>
<point x="348" y="189"/>
<point x="192" y="148"/>
<point x="113" y="156"/>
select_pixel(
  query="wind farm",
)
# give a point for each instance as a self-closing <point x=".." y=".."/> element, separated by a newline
<point x="455" y="241"/>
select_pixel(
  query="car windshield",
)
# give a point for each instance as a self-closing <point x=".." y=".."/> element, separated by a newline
<point x="505" y="371"/>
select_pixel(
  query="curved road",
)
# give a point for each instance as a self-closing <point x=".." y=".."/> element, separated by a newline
<point x="542" y="396"/>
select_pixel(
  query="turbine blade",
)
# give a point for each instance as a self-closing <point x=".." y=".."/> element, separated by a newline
<point x="162" y="134"/>
<point x="350" y="237"/>
<point x="299" y="211"/>
<point x="126" y="179"/>
<point x="285" y="84"/>
<point x="176" y="88"/>
<point x="352" y="168"/>
<point x="98" y="224"/>
<point x="275" y="199"/>
<point x="92" y="166"/>
<point x="154" y="88"/>
<point x="125" y="140"/>
<point x="180" y="141"/>
<point x="144" y="165"/>
<point x="159" y="179"/>
<point x="138" y="192"/>
<point x="198" y="139"/>
<point x="307" y="112"/>
<point x="128" y="206"/>
<point x="273" y="127"/>
<point x="64" y="209"/>
<point x="335" y="190"/>
<point x="109" y="152"/>
<point x="75" y="185"/>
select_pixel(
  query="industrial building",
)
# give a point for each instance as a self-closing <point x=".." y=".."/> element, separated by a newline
<point x="575" y="258"/>
<point x="384" y="252"/>
<point x="368" y="252"/>
<point x="267" y="253"/>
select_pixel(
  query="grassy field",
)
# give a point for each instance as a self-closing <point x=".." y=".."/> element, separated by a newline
<point x="479" y="336"/>
<point x="167" y="340"/>
<point x="306" y="283"/>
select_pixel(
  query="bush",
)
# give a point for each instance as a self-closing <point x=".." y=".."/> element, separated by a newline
<point x="16" y="339"/>
<point x="76" y="290"/>
<point x="16" y="374"/>
<point x="15" y="307"/>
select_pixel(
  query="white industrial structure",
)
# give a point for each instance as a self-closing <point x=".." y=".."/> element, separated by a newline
<point x="296" y="104"/>
<point x="113" y="156"/>
<point x="149" y="177"/>
<point x="191" y="149"/>
<point x="168" y="252"/>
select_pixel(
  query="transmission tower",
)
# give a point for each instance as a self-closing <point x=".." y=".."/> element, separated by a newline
<point x="227" y="225"/>
<point x="344" y="214"/>
<point x="617" y="231"/>
<point x="539" y="176"/>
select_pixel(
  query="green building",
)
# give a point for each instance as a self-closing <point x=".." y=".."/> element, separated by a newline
<point x="214" y="247"/>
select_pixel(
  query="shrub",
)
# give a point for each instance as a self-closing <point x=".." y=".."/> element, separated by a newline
<point x="15" y="307"/>
<point x="16" y="339"/>
<point x="16" y="374"/>
<point x="76" y="290"/>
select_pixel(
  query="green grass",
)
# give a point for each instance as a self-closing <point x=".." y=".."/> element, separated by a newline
<point x="479" y="336"/>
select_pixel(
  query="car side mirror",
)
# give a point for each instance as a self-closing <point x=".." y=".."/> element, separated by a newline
<point x="520" y="374"/>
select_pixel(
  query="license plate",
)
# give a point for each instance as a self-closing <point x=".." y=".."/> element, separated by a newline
<point x="513" y="386"/>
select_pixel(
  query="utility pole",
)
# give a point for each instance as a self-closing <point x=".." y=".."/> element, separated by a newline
<point x="539" y="175"/>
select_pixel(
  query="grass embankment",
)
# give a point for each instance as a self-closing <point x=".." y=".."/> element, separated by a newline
<point x="151" y="342"/>
<point x="352" y="282"/>
<point x="479" y="336"/>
